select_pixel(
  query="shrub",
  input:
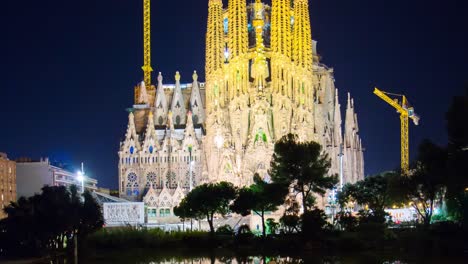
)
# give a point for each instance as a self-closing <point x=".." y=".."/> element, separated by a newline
<point x="313" y="222"/>
<point x="347" y="221"/>
<point x="225" y="230"/>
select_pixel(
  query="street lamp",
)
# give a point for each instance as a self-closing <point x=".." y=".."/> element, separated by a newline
<point x="80" y="177"/>
<point x="190" y="168"/>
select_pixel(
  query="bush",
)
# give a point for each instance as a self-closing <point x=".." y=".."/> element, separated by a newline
<point x="290" y="223"/>
<point x="347" y="221"/>
<point x="313" y="222"/>
<point x="225" y="230"/>
<point x="272" y="226"/>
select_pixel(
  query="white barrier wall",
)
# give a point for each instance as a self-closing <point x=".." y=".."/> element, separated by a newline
<point x="122" y="214"/>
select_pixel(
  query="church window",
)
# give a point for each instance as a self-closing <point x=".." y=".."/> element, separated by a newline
<point x="195" y="104"/>
<point x="171" y="181"/>
<point x="151" y="180"/>
<point x="129" y="192"/>
<point x="177" y="120"/>
<point x="168" y="212"/>
<point x="178" y="104"/>
<point x="161" y="213"/>
<point x="132" y="149"/>
<point x="160" y="120"/>
<point x="151" y="149"/>
<point x="151" y="212"/>
<point x="195" y="119"/>
<point x="132" y="177"/>
<point x="187" y="179"/>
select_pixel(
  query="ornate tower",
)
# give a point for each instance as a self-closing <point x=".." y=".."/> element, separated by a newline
<point x="302" y="36"/>
<point x="263" y="81"/>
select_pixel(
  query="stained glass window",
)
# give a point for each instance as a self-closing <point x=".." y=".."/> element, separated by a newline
<point x="171" y="180"/>
<point x="132" y="177"/>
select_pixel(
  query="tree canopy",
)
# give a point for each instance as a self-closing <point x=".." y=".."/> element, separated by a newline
<point x="47" y="221"/>
<point x="375" y="192"/>
<point x="457" y="182"/>
<point x="304" y="167"/>
<point x="206" y="200"/>
<point x="260" y="197"/>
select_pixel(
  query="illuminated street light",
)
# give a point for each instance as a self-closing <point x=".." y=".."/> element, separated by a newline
<point x="80" y="178"/>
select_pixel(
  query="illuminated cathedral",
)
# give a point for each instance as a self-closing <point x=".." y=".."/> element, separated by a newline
<point x="264" y="79"/>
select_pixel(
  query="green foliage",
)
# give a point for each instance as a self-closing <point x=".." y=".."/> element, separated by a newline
<point x="260" y="197"/>
<point x="347" y="221"/>
<point x="290" y="223"/>
<point x="303" y="166"/>
<point x="376" y="217"/>
<point x="127" y="237"/>
<point x="272" y="226"/>
<point x="46" y="222"/>
<point x="376" y="192"/>
<point x="225" y="230"/>
<point x="184" y="211"/>
<point x="426" y="185"/>
<point x="207" y="200"/>
<point x="457" y="182"/>
<point x="313" y="222"/>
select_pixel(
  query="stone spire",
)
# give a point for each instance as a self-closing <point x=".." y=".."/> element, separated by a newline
<point x="151" y="139"/>
<point x="337" y="121"/>
<point x="349" y="124"/>
<point x="189" y="138"/>
<point x="131" y="136"/>
<point x="214" y="38"/>
<point x="260" y="66"/>
<point x="196" y="103"/>
<point x="160" y="104"/>
<point x="143" y="98"/>
<point x="281" y="27"/>
<point x="178" y="105"/>
<point x="302" y="35"/>
<point x="237" y="28"/>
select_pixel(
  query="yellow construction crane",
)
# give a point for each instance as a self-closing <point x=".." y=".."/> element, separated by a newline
<point x="147" y="42"/>
<point x="401" y="104"/>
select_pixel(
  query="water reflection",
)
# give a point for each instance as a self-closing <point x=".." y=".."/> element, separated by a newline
<point x="263" y="260"/>
<point x="366" y="258"/>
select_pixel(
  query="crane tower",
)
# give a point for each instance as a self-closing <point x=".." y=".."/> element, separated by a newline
<point x="147" y="69"/>
<point x="406" y="111"/>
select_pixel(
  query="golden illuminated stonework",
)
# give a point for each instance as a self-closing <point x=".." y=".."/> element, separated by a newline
<point x="263" y="81"/>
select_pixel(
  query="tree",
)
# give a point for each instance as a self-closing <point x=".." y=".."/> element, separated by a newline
<point x="259" y="198"/>
<point x="375" y="192"/>
<point x="313" y="222"/>
<point x="302" y="166"/>
<point x="290" y="223"/>
<point x="48" y="221"/>
<point x="457" y="182"/>
<point x="209" y="199"/>
<point x="184" y="211"/>
<point x="426" y="185"/>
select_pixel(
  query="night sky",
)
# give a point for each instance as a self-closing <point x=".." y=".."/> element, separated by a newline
<point x="67" y="70"/>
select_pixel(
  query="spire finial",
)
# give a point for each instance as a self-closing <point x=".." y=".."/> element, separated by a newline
<point x="177" y="76"/>
<point x="160" y="77"/>
<point x="195" y="76"/>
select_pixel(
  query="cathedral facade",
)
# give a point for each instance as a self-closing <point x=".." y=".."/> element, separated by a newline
<point x="264" y="79"/>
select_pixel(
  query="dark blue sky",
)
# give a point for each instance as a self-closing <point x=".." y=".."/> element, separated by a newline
<point x="67" y="69"/>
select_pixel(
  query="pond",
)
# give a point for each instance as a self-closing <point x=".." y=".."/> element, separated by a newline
<point x="313" y="259"/>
